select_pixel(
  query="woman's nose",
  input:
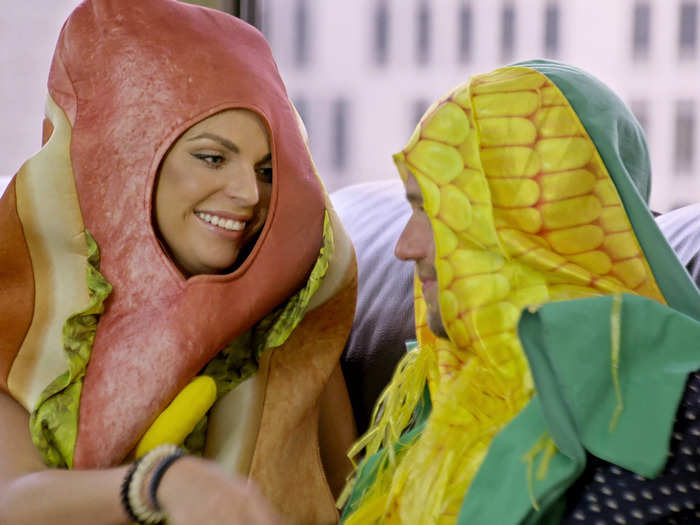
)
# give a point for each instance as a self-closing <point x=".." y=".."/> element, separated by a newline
<point x="242" y="186"/>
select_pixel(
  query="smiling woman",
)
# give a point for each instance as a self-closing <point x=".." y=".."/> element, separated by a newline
<point x="213" y="191"/>
<point x="175" y="288"/>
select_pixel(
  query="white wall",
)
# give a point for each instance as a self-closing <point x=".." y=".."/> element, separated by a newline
<point x="595" y="35"/>
<point x="28" y="33"/>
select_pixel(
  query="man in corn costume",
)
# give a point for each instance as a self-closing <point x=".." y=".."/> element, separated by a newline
<point x="569" y="325"/>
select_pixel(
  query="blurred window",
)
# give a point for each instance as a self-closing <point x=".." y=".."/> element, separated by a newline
<point x="381" y="33"/>
<point x="302" y="106"/>
<point x="685" y="136"/>
<point x="423" y="33"/>
<point x="640" y="108"/>
<point x="301" y="35"/>
<point x="641" y="30"/>
<point x="507" y="31"/>
<point x="339" y="154"/>
<point x="688" y="34"/>
<point x="465" y="33"/>
<point x="419" y="107"/>
<point x="249" y="11"/>
<point x="551" y="30"/>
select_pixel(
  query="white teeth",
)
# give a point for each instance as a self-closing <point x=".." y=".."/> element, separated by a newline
<point x="221" y="222"/>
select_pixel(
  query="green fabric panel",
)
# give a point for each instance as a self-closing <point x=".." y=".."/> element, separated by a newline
<point x="499" y="492"/>
<point x="621" y="144"/>
<point x="561" y="420"/>
<point x="54" y="422"/>
<point x="573" y="372"/>
<point x="658" y="350"/>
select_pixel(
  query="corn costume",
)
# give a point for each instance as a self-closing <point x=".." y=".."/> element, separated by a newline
<point x="572" y="326"/>
<point x="99" y="331"/>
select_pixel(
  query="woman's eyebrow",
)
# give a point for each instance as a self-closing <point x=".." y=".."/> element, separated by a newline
<point x="221" y="140"/>
<point x="266" y="158"/>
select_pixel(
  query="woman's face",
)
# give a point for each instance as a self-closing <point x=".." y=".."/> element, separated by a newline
<point x="213" y="191"/>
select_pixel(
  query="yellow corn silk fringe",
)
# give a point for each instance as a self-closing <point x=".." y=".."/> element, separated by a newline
<point x="523" y="212"/>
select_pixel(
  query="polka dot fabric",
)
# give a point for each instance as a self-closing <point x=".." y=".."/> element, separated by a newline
<point x="606" y="494"/>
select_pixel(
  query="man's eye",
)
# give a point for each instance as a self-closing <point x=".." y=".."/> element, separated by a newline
<point x="213" y="161"/>
<point x="264" y="174"/>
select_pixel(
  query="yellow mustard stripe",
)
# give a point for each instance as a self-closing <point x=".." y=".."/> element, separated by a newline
<point x="179" y="418"/>
<point x="48" y="207"/>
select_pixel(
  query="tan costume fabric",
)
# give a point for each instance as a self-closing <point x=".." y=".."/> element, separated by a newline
<point x="128" y="78"/>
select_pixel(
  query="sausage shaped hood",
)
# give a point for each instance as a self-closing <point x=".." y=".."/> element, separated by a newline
<point x="128" y="77"/>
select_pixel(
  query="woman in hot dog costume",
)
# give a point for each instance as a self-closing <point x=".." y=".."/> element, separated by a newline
<point x="171" y="273"/>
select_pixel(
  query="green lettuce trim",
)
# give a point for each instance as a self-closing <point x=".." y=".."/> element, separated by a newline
<point x="54" y="422"/>
<point x="240" y="359"/>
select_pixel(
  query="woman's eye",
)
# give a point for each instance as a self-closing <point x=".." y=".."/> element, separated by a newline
<point x="213" y="161"/>
<point x="265" y="174"/>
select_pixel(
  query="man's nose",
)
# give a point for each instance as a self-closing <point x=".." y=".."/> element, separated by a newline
<point x="413" y="243"/>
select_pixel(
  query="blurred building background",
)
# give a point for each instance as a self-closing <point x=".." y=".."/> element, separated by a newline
<point x="361" y="73"/>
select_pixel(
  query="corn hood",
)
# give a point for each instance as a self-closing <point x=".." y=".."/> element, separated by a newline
<point x="554" y="280"/>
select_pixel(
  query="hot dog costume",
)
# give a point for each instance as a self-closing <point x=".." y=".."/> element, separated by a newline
<point x="572" y="326"/>
<point x="100" y="332"/>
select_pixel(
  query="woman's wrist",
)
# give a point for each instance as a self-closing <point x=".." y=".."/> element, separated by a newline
<point x="140" y="485"/>
<point x="178" y="480"/>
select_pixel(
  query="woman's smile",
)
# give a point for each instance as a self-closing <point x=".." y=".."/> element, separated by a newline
<point x="220" y="221"/>
<point x="214" y="191"/>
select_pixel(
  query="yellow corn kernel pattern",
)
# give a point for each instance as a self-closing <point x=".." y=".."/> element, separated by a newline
<point x="437" y="160"/>
<point x="455" y="209"/>
<point x="564" y="153"/>
<point x="513" y="161"/>
<point x="525" y="219"/>
<point x="566" y="184"/>
<point x="523" y="212"/>
<point x="523" y="209"/>
<point x="431" y="195"/>
<point x="510" y="81"/>
<point x="474" y="186"/>
<point x="518" y="130"/>
<point x="570" y="212"/>
<point x="513" y="193"/>
<point x="556" y="121"/>
<point x="517" y="104"/>
<point x="448" y="123"/>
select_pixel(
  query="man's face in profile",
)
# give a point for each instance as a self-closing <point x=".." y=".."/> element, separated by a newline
<point x="417" y="244"/>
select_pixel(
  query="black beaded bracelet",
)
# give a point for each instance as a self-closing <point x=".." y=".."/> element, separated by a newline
<point x="124" y="492"/>
<point x="158" y="474"/>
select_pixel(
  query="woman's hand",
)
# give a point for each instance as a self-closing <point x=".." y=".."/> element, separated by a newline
<point x="196" y="491"/>
<point x="192" y="491"/>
